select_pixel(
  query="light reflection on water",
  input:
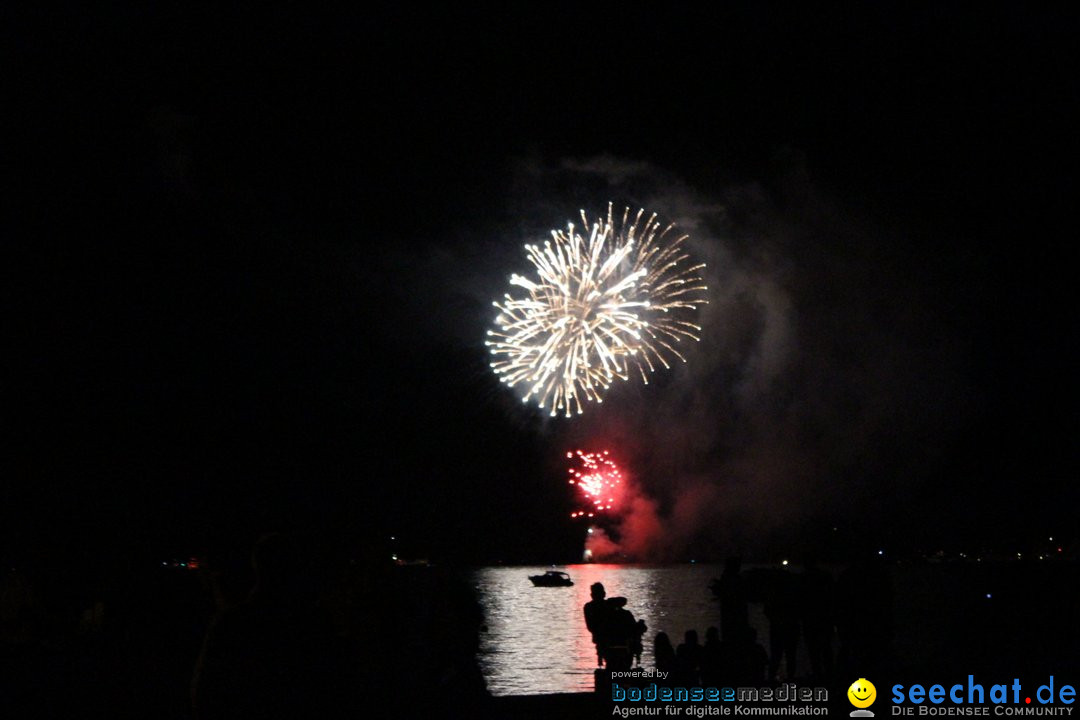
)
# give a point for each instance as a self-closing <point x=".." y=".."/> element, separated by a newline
<point x="537" y="643"/>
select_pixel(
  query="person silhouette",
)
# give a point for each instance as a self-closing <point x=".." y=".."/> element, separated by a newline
<point x="622" y="631"/>
<point x="663" y="653"/>
<point x="711" y="658"/>
<point x="749" y="660"/>
<point x="734" y="607"/>
<point x="817" y="617"/>
<point x="274" y="655"/>
<point x="782" y="610"/>
<point x="598" y="620"/>
<point x="863" y="600"/>
<point x="637" y="646"/>
<point x="688" y="660"/>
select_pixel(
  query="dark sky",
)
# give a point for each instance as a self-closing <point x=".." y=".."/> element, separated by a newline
<point x="253" y="250"/>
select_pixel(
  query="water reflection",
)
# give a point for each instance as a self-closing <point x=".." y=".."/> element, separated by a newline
<point x="537" y="642"/>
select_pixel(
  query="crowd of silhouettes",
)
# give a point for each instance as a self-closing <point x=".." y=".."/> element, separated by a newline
<point x="314" y="638"/>
<point x="313" y="630"/>
<point x="808" y="607"/>
<point x="737" y="662"/>
<point x="314" y="625"/>
<point x="619" y="639"/>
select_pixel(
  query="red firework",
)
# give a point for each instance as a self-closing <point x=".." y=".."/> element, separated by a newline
<point x="599" y="478"/>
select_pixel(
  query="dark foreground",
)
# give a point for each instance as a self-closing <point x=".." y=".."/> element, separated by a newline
<point x="348" y="636"/>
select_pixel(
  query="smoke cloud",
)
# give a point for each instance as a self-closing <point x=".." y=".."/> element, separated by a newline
<point x="635" y="533"/>
<point x="821" y="391"/>
<point x="819" y="383"/>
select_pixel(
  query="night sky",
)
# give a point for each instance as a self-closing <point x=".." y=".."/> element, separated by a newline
<point x="253" y="252"/>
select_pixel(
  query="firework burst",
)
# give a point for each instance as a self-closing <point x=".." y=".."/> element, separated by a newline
<point x="608" y="305"/>
<point x="600" y="480"/>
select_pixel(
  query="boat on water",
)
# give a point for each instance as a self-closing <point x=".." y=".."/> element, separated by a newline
<point x="552" y="578"/>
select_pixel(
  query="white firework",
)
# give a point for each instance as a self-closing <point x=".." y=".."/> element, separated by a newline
<point x="608" y="306"/>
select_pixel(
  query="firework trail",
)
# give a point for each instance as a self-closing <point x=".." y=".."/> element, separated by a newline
<point x="600" y="308"/>
<point x="600" y="480"/>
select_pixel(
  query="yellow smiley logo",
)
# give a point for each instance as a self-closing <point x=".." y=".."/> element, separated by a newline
<point x="862" y="693"/>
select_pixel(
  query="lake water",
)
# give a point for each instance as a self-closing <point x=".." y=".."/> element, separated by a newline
<point x="946" y="619"/>
<point x="537" y="643"/>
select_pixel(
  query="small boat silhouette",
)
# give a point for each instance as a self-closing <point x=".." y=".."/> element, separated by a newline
<point x="552" y="578"/>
